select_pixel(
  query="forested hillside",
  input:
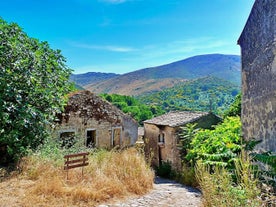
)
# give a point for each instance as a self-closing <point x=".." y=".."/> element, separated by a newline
<point x="203" y="94"/>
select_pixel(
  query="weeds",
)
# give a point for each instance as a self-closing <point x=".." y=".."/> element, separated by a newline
<point x="187" y="175"/>
<point x="221" y="190"/>
<point x="110" y="174"/>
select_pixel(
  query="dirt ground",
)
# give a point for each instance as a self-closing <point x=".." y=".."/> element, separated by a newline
<point x="166" y="193"/>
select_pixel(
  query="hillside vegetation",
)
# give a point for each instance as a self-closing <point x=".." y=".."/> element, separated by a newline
<point x="203" y="94"/>
<point x="132" y="86"/>
<point x="129" y="105"/>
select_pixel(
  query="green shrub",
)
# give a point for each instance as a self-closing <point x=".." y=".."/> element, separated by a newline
<point x="219" y="146"/>
<point x="165" y="170"/>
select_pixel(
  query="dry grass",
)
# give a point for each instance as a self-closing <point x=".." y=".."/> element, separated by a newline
<point x="109" y="176"/>
<point x="219" y="188"/>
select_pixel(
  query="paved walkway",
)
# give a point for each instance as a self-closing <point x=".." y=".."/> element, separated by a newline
<point x="166" y="193"/>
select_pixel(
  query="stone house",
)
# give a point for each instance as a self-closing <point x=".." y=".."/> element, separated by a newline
<point x="95" y="122"/>
<point x="161" y="134"/>
<point x="258" y="52"/>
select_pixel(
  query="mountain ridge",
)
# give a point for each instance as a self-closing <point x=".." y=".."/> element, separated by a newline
<point x="157" y="78"/>
<point x="86" y="78"/>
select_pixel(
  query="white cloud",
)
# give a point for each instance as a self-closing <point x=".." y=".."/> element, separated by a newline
<point x="112" y="48"/>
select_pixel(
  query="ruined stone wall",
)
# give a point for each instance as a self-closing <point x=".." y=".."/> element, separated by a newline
<point x="75" y="123"/>
<point x="151" y="143"/>
<point x="258" y="48"/>
<point x="130" y="131"/>
<point x="85" y="111"/>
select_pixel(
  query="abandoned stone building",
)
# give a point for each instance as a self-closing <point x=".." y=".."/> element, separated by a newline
<point x="161" y="134"/>
<point x="258" y="51"/>
<point x="94" y="122"/>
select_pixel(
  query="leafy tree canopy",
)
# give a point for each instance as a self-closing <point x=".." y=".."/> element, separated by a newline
<point x="219" y="146"/>
<point x="137" y="110"/>
<point x="203" y="94"/>
<point x="33" y="82"/>
<point x="235" y="108"/>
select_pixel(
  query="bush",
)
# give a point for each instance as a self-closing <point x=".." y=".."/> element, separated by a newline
<point x="165" y="170"/>
<point x="219" y="146"/>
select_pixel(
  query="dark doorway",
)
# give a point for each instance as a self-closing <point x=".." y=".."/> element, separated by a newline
<point x="159" y="156"/>
<point x="91" y="138"/>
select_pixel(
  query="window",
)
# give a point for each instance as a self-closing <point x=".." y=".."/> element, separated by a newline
<point x="67" y="138"/>
<point x="90" y="138"/>
<point x="161" y="138"/>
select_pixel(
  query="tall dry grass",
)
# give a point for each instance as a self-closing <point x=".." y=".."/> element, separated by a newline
<point x="222" y="188"/>
<point x="109" y="175"/>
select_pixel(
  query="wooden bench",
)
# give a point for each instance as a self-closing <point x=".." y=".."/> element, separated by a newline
<point x="75" y="160"/>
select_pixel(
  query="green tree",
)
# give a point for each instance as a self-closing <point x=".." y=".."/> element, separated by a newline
<point x="202" y="94"/>
<point x="186" y="136"/>
<point x="219" y="146"/>
<point x="33" y="82"/>
<point x="140" y="112"/>
<point x="235" y="108"/>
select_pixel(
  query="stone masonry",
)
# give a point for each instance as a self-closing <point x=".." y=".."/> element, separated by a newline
<point x="258" y="50"/>
<point x="91" y="119"/>
<point x="162" y="134"/>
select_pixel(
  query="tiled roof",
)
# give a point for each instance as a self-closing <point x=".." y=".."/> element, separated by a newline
<point x="176" y="118"/>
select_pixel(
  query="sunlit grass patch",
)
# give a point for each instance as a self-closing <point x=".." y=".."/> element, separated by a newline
<point x="109" y="175"/>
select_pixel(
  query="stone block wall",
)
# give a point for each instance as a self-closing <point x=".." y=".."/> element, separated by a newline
<point x="167" y="151"/>
<point x="258" y="50"/>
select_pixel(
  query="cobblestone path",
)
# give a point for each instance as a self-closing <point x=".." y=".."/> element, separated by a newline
<point x="166" y="193"/>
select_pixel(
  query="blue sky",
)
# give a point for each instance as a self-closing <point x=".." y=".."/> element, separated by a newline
<point x="120" y="36"/>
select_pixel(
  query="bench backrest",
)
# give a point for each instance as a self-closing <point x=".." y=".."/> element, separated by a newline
<point x="76" y="160"/>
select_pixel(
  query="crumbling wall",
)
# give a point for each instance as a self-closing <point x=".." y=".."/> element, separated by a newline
<point x="85" y="110"/>
<point x="258" y="48"/>
<point x="130" y="131"/>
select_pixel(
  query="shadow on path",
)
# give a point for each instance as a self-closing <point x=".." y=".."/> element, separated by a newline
<point x="159" y="180"/>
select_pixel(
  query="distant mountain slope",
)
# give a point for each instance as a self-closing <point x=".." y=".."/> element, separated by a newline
<point x="217" y="65"/>
<point x="91" y="77"/>
<point x="126" y="85"/>
<point x="148" y="80"/>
